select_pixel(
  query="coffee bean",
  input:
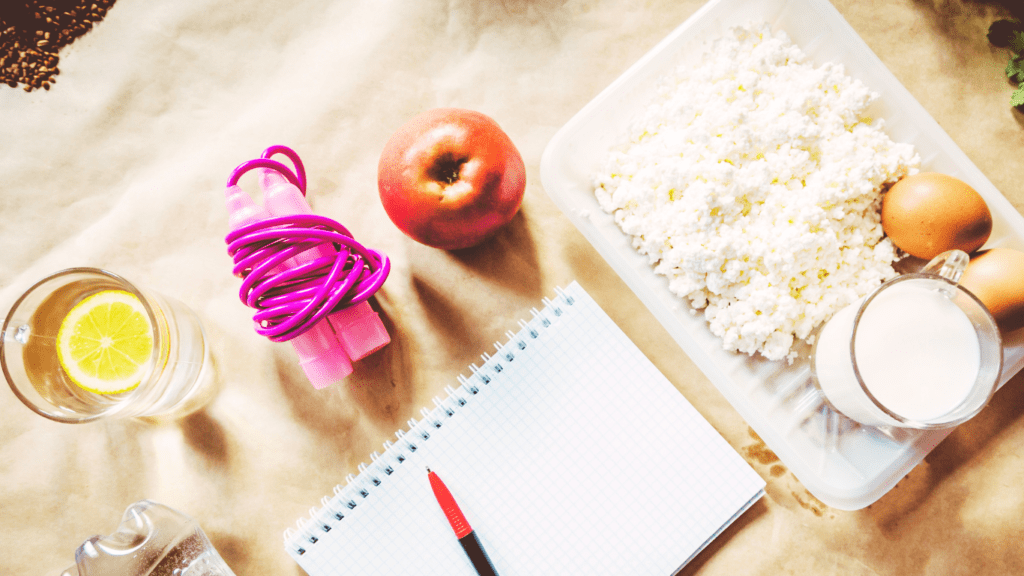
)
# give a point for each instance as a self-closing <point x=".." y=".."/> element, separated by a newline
<point x="32" y="33"/>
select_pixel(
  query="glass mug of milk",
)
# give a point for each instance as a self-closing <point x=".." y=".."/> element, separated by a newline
<point x="918" y="352"/>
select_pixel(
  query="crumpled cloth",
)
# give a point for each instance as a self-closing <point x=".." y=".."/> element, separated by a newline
<point x="122" y="165"/>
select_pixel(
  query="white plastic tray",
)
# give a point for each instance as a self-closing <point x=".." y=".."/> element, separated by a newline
<point x="845" y="465"/>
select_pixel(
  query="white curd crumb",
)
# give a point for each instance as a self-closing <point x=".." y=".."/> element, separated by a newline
<point x="753" y="182"/>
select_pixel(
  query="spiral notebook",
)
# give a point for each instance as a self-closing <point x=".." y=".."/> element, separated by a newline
<point x="568" y="452"/>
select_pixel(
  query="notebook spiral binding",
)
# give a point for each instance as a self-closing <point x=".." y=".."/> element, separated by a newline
<point x="359" y="487"/>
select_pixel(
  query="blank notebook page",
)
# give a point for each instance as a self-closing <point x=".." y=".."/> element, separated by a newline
<point x="568" y="452"/>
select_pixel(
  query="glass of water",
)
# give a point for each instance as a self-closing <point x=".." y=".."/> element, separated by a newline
<point x="85" y="343"/>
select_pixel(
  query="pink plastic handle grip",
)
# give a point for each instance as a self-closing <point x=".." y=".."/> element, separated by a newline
<point x="289" y="302"/>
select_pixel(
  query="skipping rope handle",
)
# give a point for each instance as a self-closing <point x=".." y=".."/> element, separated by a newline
<point x="308" y="279"/>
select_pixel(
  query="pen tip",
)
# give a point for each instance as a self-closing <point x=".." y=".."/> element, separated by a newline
<point x="428" y="469"/>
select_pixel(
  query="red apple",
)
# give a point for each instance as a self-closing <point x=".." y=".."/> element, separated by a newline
<point x="450" y="178"/>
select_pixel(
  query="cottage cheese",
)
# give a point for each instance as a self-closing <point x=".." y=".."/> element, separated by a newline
<point x="753" y="182"/>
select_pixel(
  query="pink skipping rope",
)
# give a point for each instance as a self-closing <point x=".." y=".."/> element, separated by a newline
<point x="301" y="268"/>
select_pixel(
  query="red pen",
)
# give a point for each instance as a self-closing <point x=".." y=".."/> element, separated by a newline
<point x="465" y="534"/>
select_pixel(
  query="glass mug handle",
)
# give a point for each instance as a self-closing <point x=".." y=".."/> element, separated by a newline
<point x="949" y="265"/>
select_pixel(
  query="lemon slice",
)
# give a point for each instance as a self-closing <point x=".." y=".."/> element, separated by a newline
<point x="105" y="342"/>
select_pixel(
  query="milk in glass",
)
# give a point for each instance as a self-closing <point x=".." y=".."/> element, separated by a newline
<point x="920" y="355"/>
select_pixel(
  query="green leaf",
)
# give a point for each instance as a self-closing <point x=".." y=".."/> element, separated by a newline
<point x="1017" y="99"/>
<point x="1017" y="42"/>
<point x="1015" y="69"/>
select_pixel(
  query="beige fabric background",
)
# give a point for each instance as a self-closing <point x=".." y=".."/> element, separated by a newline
<point x="121" y="165"/>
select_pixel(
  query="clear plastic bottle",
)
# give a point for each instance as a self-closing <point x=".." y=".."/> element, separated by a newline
<point x="152" y="540"/>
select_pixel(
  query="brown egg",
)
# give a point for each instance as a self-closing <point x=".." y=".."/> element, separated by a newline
<point x="929" y="213"/>
<point x="996" y="277"/>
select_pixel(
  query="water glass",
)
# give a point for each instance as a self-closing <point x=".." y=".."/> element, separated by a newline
<point x="174" y="373"/>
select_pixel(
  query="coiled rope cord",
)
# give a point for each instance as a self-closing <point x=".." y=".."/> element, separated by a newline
<point x="291" y="299"/>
